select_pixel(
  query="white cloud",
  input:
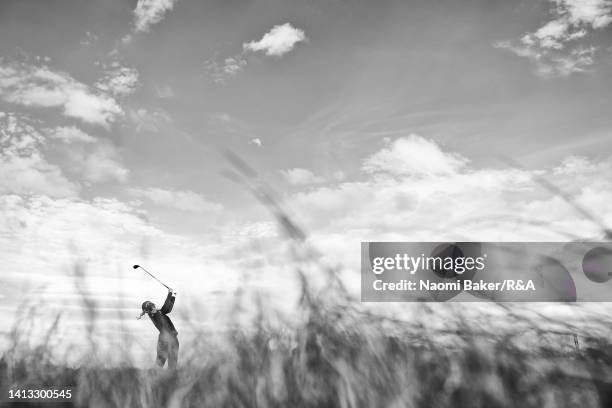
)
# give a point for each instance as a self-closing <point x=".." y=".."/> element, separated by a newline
<point x="551" y="34"/>
<point x="220" y="73"/>
<point x="32" y="174"/>
<point x="396" y="198"/>
<point x="94" y="163"/>
<point x="280" y="40"/>
<point x="558" y="47"/>
<point x="70" y="134"/>
<point x="23" y="167"/>
<point x="39" y="86"/>
<point x="594" y="13"/>
<point x="102" y="166"/>
<point x="149" y="120"/>
<point x="576" y="165"/>
<point x="25" y="154"/>
<point x="232" y="66"/>
<point x="300" y="177"/>
<point x="277" y="42"/>
<point x="414" y="155"/>
<point x="177" y="199"/>
<point x="119" y="81"/>
<point x="150" y="12"/>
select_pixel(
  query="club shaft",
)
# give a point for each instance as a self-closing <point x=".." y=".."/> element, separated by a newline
<point x="154" y="277"/>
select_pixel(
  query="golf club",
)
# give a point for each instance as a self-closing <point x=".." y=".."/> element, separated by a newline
<point x="151" y="275"/>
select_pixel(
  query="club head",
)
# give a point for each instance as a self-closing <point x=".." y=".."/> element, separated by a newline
<point x="136" y="266"/>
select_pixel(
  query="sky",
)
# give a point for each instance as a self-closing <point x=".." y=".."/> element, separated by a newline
<point x="369" y="120"/>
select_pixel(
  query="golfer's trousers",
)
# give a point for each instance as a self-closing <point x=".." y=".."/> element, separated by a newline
<point x="167" y="349"/>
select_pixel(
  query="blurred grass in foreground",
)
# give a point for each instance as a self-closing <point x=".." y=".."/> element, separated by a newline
<point x="339" y="356"/>
<point x="336" y="353"/>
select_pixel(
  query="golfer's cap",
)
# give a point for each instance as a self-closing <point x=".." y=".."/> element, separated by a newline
<point x="147" y="306"/>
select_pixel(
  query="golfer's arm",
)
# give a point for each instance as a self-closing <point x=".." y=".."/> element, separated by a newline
<point x="168" y="304"/>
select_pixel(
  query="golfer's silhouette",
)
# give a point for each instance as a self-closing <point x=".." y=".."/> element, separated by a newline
<point x="167" y="342"/>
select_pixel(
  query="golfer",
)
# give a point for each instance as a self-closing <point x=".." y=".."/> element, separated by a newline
<point x="167" y="342"/>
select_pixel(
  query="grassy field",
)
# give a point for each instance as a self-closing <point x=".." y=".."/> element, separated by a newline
<point x="341" y="356"/>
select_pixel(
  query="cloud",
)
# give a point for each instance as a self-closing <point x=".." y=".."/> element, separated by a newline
<point x="97" y="165"/>
<point x="88" y="39"/>
<point x="39" y="86"/>
<point x="25" y="154"/>
<point x="177" y="199"/>
<point x="150" y="12"/>
<point x="280" y="40"/>
<point x="88" y="161"/>
<point x="558" y="48"/>
<point x="399" y="196"/>
<point x="414" y="155"/>
<point x="23" y="167"/>
<point x="220" y="73"/>
<point x="576" y="165"/>
<point x="119" y="81"/>
<point x="49" y="227"/>
<point x="232" y="66"/>
<point x="301" y="177"/>
<point x="70" y="134"/>
<point x="595" y="13"/>
<point x="149" y="120"/>
<point x="84" y="157"/>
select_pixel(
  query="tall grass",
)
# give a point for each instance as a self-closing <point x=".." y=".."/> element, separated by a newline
<point x="337" y="353"/>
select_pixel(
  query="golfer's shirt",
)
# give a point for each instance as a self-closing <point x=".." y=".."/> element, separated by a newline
<point x="159" y="318"/>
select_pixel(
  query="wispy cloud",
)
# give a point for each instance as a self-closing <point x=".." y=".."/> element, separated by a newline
<point x="280" y="40"/>
<point x="119" y="81"/>
<point x="53" y="161"/>
<point x="88" y="39"/>
<point x="150" y="12"/>
<point x="23" y="166"/>
<point x="70" y="134"/>
<point x="40" y="86"/>
<point x="301" y="177"/>
<point x="559" y="47"/>
<point x="146" y="14"/>
<point x="221" y="72"/>
<point x="97" y="163"/>
<point x="177" y="199"/>
<point x="86" y="158"/>
<point x="150" y="120"/>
